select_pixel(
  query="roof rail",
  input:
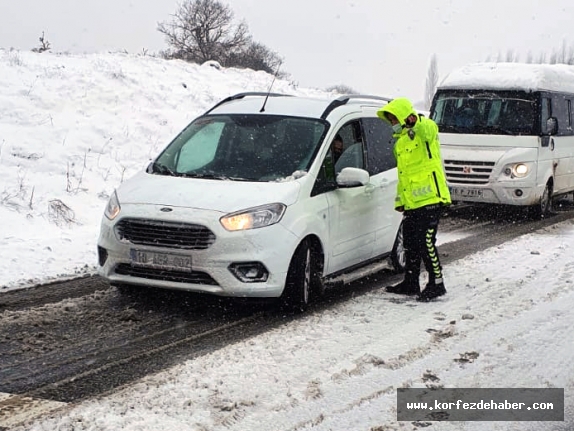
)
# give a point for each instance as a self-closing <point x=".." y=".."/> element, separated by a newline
<point x="241" y="96"/>
<point x="342" y="100"/>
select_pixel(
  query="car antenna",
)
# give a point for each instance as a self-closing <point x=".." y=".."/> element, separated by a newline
<point x="269" y="91"/>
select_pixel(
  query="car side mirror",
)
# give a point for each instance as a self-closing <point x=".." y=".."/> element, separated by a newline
<point x="551" y="126"/>
<point x="352" y="177"/>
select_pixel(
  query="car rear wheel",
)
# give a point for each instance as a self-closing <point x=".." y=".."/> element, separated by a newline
<point x="302" y="278"/>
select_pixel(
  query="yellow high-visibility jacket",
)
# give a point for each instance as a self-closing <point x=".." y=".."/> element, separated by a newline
<point x="421" y="175"/>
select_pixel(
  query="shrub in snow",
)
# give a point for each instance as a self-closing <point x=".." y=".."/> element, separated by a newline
<point x="213" y="64"/>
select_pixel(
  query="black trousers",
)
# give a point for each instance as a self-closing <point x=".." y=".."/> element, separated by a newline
<point x="419" y="235"/>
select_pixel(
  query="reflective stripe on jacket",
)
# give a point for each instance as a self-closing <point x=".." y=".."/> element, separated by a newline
<point x="421" y="175"/>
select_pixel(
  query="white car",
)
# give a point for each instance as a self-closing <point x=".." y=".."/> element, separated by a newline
<point x="252" y="200"/>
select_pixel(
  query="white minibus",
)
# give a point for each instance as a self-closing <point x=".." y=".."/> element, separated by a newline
<point x="506" y="133"/>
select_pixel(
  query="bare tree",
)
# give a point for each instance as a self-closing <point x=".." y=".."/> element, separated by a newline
<point x="255" y="56"/>
<point x="511" y="56"/>
<point x="44" y="45"/>
<point x="341" y="89"/>
<point x="553" y="58"/>
<point x="562" y="55"/>
<point x="541" y="58"/>
<point x="565" y="55"/>
<point x="570" y="55"/>
<point x="431" y="82"/>
<point x="203" y="30"/>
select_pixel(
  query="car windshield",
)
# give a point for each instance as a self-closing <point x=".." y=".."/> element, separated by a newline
<point x="485" y="113"/>
<point x="242" y="148"/>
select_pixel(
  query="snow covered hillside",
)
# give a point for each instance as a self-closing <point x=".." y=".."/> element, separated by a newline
<point x="72" y="128"/>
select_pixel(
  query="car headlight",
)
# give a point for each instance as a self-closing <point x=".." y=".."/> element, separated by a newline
<point x="519" y="170"/>
<point x="253" y="218"/>
<point x="113" y="208"/>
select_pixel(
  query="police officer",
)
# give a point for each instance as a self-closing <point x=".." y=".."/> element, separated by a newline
<point x="422" y="193"/>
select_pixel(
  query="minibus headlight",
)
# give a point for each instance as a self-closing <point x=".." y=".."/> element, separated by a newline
<point x="520" y="170"/>
<point x="253" y="218"/>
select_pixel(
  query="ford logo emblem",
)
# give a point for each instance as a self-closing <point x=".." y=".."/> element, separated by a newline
<point x="166" y="209"/>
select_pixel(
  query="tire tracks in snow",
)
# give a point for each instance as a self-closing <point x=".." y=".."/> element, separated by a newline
<point x="495" y="301"/>
<point x="78" y="385"/>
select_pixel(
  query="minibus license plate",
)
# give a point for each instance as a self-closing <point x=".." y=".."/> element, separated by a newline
<point x="160" y="260"/>
<point x="466" y="193"/>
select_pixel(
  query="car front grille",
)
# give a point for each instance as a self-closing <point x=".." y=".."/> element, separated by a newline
<point x="194" y="277"/>
<point x="165" y="234"/>
<point x="467" y="172"/>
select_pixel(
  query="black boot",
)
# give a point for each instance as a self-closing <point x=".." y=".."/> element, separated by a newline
<point x="409" y="286"/>
<point x="433" y="290"/>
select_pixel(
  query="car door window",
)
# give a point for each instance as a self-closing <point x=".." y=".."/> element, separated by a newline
<point x="352" y="155"/>
<point x="350" y="135"/>
<point x="380" y="142"/>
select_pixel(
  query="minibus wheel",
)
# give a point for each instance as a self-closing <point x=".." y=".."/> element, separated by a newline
<point x="544" y="206"/>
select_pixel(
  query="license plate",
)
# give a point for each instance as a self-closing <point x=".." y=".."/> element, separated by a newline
<point x="466" y="193"/>
<point x="160" y="260"/>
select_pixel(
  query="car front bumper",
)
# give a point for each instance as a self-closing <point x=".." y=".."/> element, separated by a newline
<point x="271" y="246"/>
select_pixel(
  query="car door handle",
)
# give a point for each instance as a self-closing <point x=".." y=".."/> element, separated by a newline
<point x="369" y="188"/>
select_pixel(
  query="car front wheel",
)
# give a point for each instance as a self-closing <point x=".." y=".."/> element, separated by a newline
<point x="302" y="278"/>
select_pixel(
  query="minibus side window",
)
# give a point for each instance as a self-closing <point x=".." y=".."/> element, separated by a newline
<point x="569" y="103"/>
<point x="560" y="112"/>
<point x="545" y="113"/>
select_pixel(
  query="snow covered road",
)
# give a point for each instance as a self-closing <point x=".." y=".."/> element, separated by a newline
<point x="504" y="323"/>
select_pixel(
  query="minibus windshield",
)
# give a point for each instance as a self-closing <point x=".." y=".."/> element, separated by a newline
<point x="485" y="113"/>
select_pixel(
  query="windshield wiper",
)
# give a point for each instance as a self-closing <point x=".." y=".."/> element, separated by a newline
<point x="214" y="176"/>
<point x="205" y="176"/>
<point x="158" y="168"/>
